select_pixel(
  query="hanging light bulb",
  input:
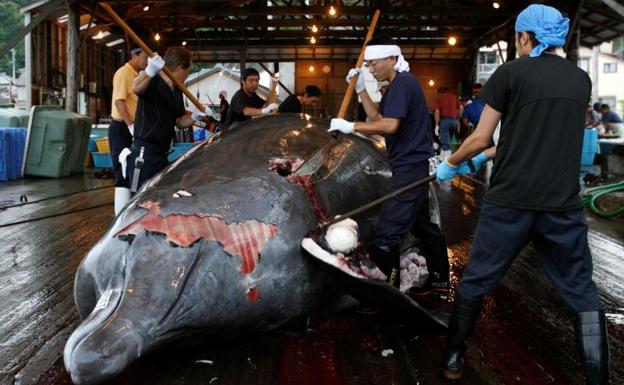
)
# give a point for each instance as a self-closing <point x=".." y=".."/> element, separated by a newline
<point x="496" y="5"/>
<point x="99" y="35"/>
<point x="314" y="28"/>
<point x="431" y="83"/>
<point x="184" y="43"/>
<point x="311" y="68"/>
<point x="157" y="36"/>
<point x="146" y="8"/>
<point x="313" y="40"/>
<point x="452" y="40"/>
<point x="332" y="11"/>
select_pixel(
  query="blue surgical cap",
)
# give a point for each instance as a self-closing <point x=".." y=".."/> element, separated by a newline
<point x="548" y="25"/>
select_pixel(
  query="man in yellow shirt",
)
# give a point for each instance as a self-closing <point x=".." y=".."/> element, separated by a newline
<point x="121" y="128"/>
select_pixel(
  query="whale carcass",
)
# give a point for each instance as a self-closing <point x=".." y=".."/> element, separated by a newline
<point x="210" y="247"/>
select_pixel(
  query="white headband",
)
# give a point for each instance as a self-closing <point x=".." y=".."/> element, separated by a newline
<point x="373" y="52"/>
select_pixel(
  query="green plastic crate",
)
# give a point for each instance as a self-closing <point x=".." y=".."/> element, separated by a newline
<point x="13" y="117"/>
<point x="57" y="142"/>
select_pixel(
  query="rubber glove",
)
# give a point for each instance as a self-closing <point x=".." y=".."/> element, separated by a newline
<point x="477" y="161"/>
<point x="446" y="171"/>
<point x="268" y="109"/>
<point x="154" y="65"/>
<point x="341" y="125"/>
<point x="360" y="84"/>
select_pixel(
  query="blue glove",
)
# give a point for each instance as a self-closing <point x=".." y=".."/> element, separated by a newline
<point x="477" y="162"/>
<point x="446" y="171"/>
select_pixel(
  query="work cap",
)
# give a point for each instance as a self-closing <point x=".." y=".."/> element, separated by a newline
<point x="548" y="25"/>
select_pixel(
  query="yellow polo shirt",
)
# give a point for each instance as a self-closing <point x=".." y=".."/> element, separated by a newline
<point x="122" y="89"/>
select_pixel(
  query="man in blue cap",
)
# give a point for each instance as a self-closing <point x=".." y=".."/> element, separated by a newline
<point x="533" y="194"/>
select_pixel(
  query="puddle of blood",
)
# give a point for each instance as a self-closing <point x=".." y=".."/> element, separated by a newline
<point x="245" y="239"/>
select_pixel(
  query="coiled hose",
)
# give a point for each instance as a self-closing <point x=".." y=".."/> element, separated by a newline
<point x="591" y="195"/>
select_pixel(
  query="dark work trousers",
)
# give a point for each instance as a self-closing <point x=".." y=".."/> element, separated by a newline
<point x="398" y="214"/>
<point x="118" y="138"/>
<point x="560" y="240"/>
<point x="433" y="243"/>
<point x="154" y="160"/>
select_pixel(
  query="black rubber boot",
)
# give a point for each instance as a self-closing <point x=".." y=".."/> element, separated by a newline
<point x="591" y="334"/>
<point x="388" y="261"/>
<point x="463" y="320"/>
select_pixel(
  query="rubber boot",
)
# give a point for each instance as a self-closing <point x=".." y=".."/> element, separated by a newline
<point x="388" y="261"/>
<point x="591" y="334"/>
<point x="122" y="196"/>
<point x="436" y="254"/>
<point x="463" y="320"/>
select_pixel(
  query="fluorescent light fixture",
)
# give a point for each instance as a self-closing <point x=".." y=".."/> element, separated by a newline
<point x="115" y="42"/>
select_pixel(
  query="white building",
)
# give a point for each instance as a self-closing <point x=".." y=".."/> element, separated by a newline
<point x="607" y="73"/>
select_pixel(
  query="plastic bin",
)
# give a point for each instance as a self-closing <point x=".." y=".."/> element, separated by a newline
<point x="102" y="145"/>
<point x="102" y="160"/>
<point x="178" y="150"/>
<point x="56" y="142"/>
<point x="100" y="130"/>
<point x="92" y="147"/>
<point x="13" y="117"/>
<point x="12" y="143"/>
<point x="590" y="147"/>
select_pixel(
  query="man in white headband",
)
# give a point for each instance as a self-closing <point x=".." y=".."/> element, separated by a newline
<point x="402" y="117"/>
<point x="533" y="194"/>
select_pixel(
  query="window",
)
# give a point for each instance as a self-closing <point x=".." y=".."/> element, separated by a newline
<point x="583" y="64"/>
<point x="609" y="68"/>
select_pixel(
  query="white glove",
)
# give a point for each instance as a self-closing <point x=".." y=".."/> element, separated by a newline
<point x="131" y="129"/>
<point x="341" y="125"/>
<point x="360" y="84"/>
<point x="154" y="65"/>
<point x="437" y="130"/>
<point x="268" y="109"/>
<point x="198" y="116"/>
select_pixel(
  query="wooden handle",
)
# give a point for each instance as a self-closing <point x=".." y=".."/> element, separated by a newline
<point x="150" y="53"/>
<point x="349" y="92"/>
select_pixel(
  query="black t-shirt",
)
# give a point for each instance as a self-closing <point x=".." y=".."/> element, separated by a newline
<point x="538" y="158"/>
<point x="158" y="108"/>
<point x="412" y="142"/>
<point x="240" y="100"/>
<point x="290" y="104"/>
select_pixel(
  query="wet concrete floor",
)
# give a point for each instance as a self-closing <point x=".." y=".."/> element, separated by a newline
<point x="524" y="337"/>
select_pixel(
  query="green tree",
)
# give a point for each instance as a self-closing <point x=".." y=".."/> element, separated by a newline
<point x="12" y="22"/>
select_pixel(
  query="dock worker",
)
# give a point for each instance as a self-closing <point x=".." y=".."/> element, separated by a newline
<point x="121" y="127"/>
<point x="246" y="103"/>
<point x="160" y="109"/>
<point x="447" y="112"/>
<point x="403" y="119"/>
<point x="533" y="193"/>
<point x="295" y="103"/>
<point x="611" y="121"/>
